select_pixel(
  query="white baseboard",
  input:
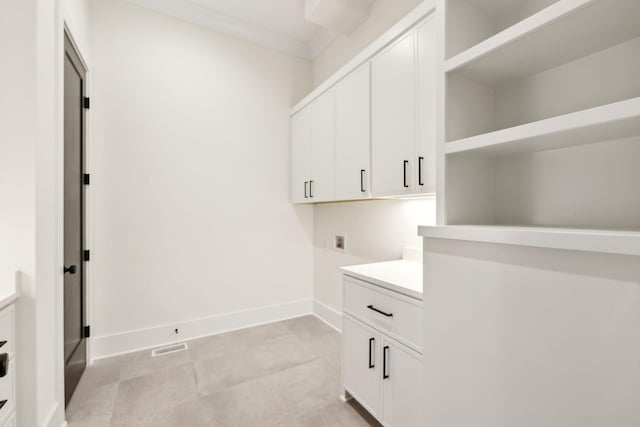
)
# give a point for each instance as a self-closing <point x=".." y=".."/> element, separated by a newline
<point x="142" y="339"/>
<point x="328" y="315"/>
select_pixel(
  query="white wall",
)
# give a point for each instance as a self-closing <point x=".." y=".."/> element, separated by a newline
<point x="382" y="15"/>
<point x="18" y="181"/>
<point x="190" y="213"/>
<point x="375" y="230"/>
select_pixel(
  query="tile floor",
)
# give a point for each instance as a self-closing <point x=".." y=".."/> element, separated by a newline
<point x="281" y="374"/>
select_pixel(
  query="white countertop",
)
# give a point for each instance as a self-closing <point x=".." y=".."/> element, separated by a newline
<point x="402" y="276"/>
<point x="8" y="290"/>
<point x="607" y="241"/>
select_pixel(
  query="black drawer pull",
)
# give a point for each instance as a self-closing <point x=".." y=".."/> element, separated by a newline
<point x="404" y="166"/>
<point x="2" y="403"/>
<point x="420" y="160"/>
<point x="2" y="343"/>
<point x="4" y="364"/>
<point x="311" y="189"/>
<point x="371" y="307"/>
<point x="305" y="189"/>
<point x="385" y="374"/>
<point x="371" y="364"/>
<point x="362" y="180"/>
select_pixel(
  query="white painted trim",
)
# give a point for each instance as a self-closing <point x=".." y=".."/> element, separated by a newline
<point x="321" y="41"/>
<point x="56" y="416"/>
<point x="328" y="315"/>
<point x="406" y="23"/>
<point x="192" y="12"/>
<point x="142" y="339"/>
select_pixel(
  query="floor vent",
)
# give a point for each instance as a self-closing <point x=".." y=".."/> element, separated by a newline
<point x="173" y="348"/>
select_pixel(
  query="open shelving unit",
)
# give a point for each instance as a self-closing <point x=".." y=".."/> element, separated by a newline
<point x="541" y="127"/>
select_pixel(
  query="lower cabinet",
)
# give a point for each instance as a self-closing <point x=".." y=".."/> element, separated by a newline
<point x="401" y="386"/>
<point x="384" y="376"/>
<point x="362" y="364"/>
<point x="7" y="367"/>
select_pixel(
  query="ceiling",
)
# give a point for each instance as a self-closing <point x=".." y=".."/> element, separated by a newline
<point x="278" y="24"/>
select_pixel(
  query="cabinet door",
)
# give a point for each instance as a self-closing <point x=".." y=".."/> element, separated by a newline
<point x="322" y="124"/>
<point x="402" y="386"/>
<point x="425" y="157"/>
<point x="362" y="364"/>
<point x="300" y="156"/>
<point x="393" y="118"/>
<point x="352" y="135"/>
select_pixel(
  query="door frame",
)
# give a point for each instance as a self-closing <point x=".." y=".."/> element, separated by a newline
<point x="70" y="48"/>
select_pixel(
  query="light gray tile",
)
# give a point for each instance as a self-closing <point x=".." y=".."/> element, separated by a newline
<point x="337" y="415"/>
<point x="328" y="346"/>
<point x="187" y="414"/>
<point x="226" y="371"/>
<point x="282" y="353"/>
<point x="91" y="405"/>
<point x="143" y="364"/>
<point x="307" y="387"/>
<point x="262" y="334"/>
<point x="217" y="345"/>
<point x="252" y="403"/>
<point x="307" y="327"/>
<point x="140" y="397"/>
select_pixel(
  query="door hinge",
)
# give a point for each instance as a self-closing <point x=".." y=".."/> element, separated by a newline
<point x="86" y="255"/>
<point x="86" y="179"/>
<point x="87" y="331"/>
<point x="86" y="102"/>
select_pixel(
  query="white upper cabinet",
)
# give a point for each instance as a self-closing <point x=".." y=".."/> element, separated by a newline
<point x="425" y="171"/>
<point x="352" y="135"/>
<point x="404" y="114"/>
<point x="301" y="156"/>
<point x="321" y="187"/>
<point x="312" y="152"/>
<point x="393" y="100"/>
<point x="372" y="132"/>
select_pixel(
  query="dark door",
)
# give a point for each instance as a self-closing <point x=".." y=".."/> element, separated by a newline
<point x="74" y="287"/>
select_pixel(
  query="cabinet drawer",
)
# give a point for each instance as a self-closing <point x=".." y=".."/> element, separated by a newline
<point x="7" y="392"/>
<point x="396" y="315"/>
<point x="7" y="317"/>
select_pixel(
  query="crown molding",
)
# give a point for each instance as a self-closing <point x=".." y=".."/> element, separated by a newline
<point x="320" y="41"/>
<point x="192" y="12"/>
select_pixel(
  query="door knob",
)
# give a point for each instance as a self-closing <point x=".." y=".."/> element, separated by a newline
<point x="71" y="269"/>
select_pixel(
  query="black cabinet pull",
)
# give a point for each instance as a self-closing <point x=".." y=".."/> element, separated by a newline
<point x="385" y="375"/>
<point x="311" y="189"/>
<point x="305" y="189"/>
<point x="420" y="160"/>
<point x="371" y="364"/>
<point x="362" y="180"/>
<point x="2" y="403"/>
<point x="71" y="269"/>
<point x="406" y="162"/>
<point x="4" y="364"/>
<point x="371" y="307"/>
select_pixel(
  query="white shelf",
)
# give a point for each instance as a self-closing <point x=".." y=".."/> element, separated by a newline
<point x="603" y="241"/>
<point x="604" y="123"/>
<point x="564" y="31"/>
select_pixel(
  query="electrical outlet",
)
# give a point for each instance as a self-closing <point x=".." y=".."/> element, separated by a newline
<point x="339" y="243"/>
